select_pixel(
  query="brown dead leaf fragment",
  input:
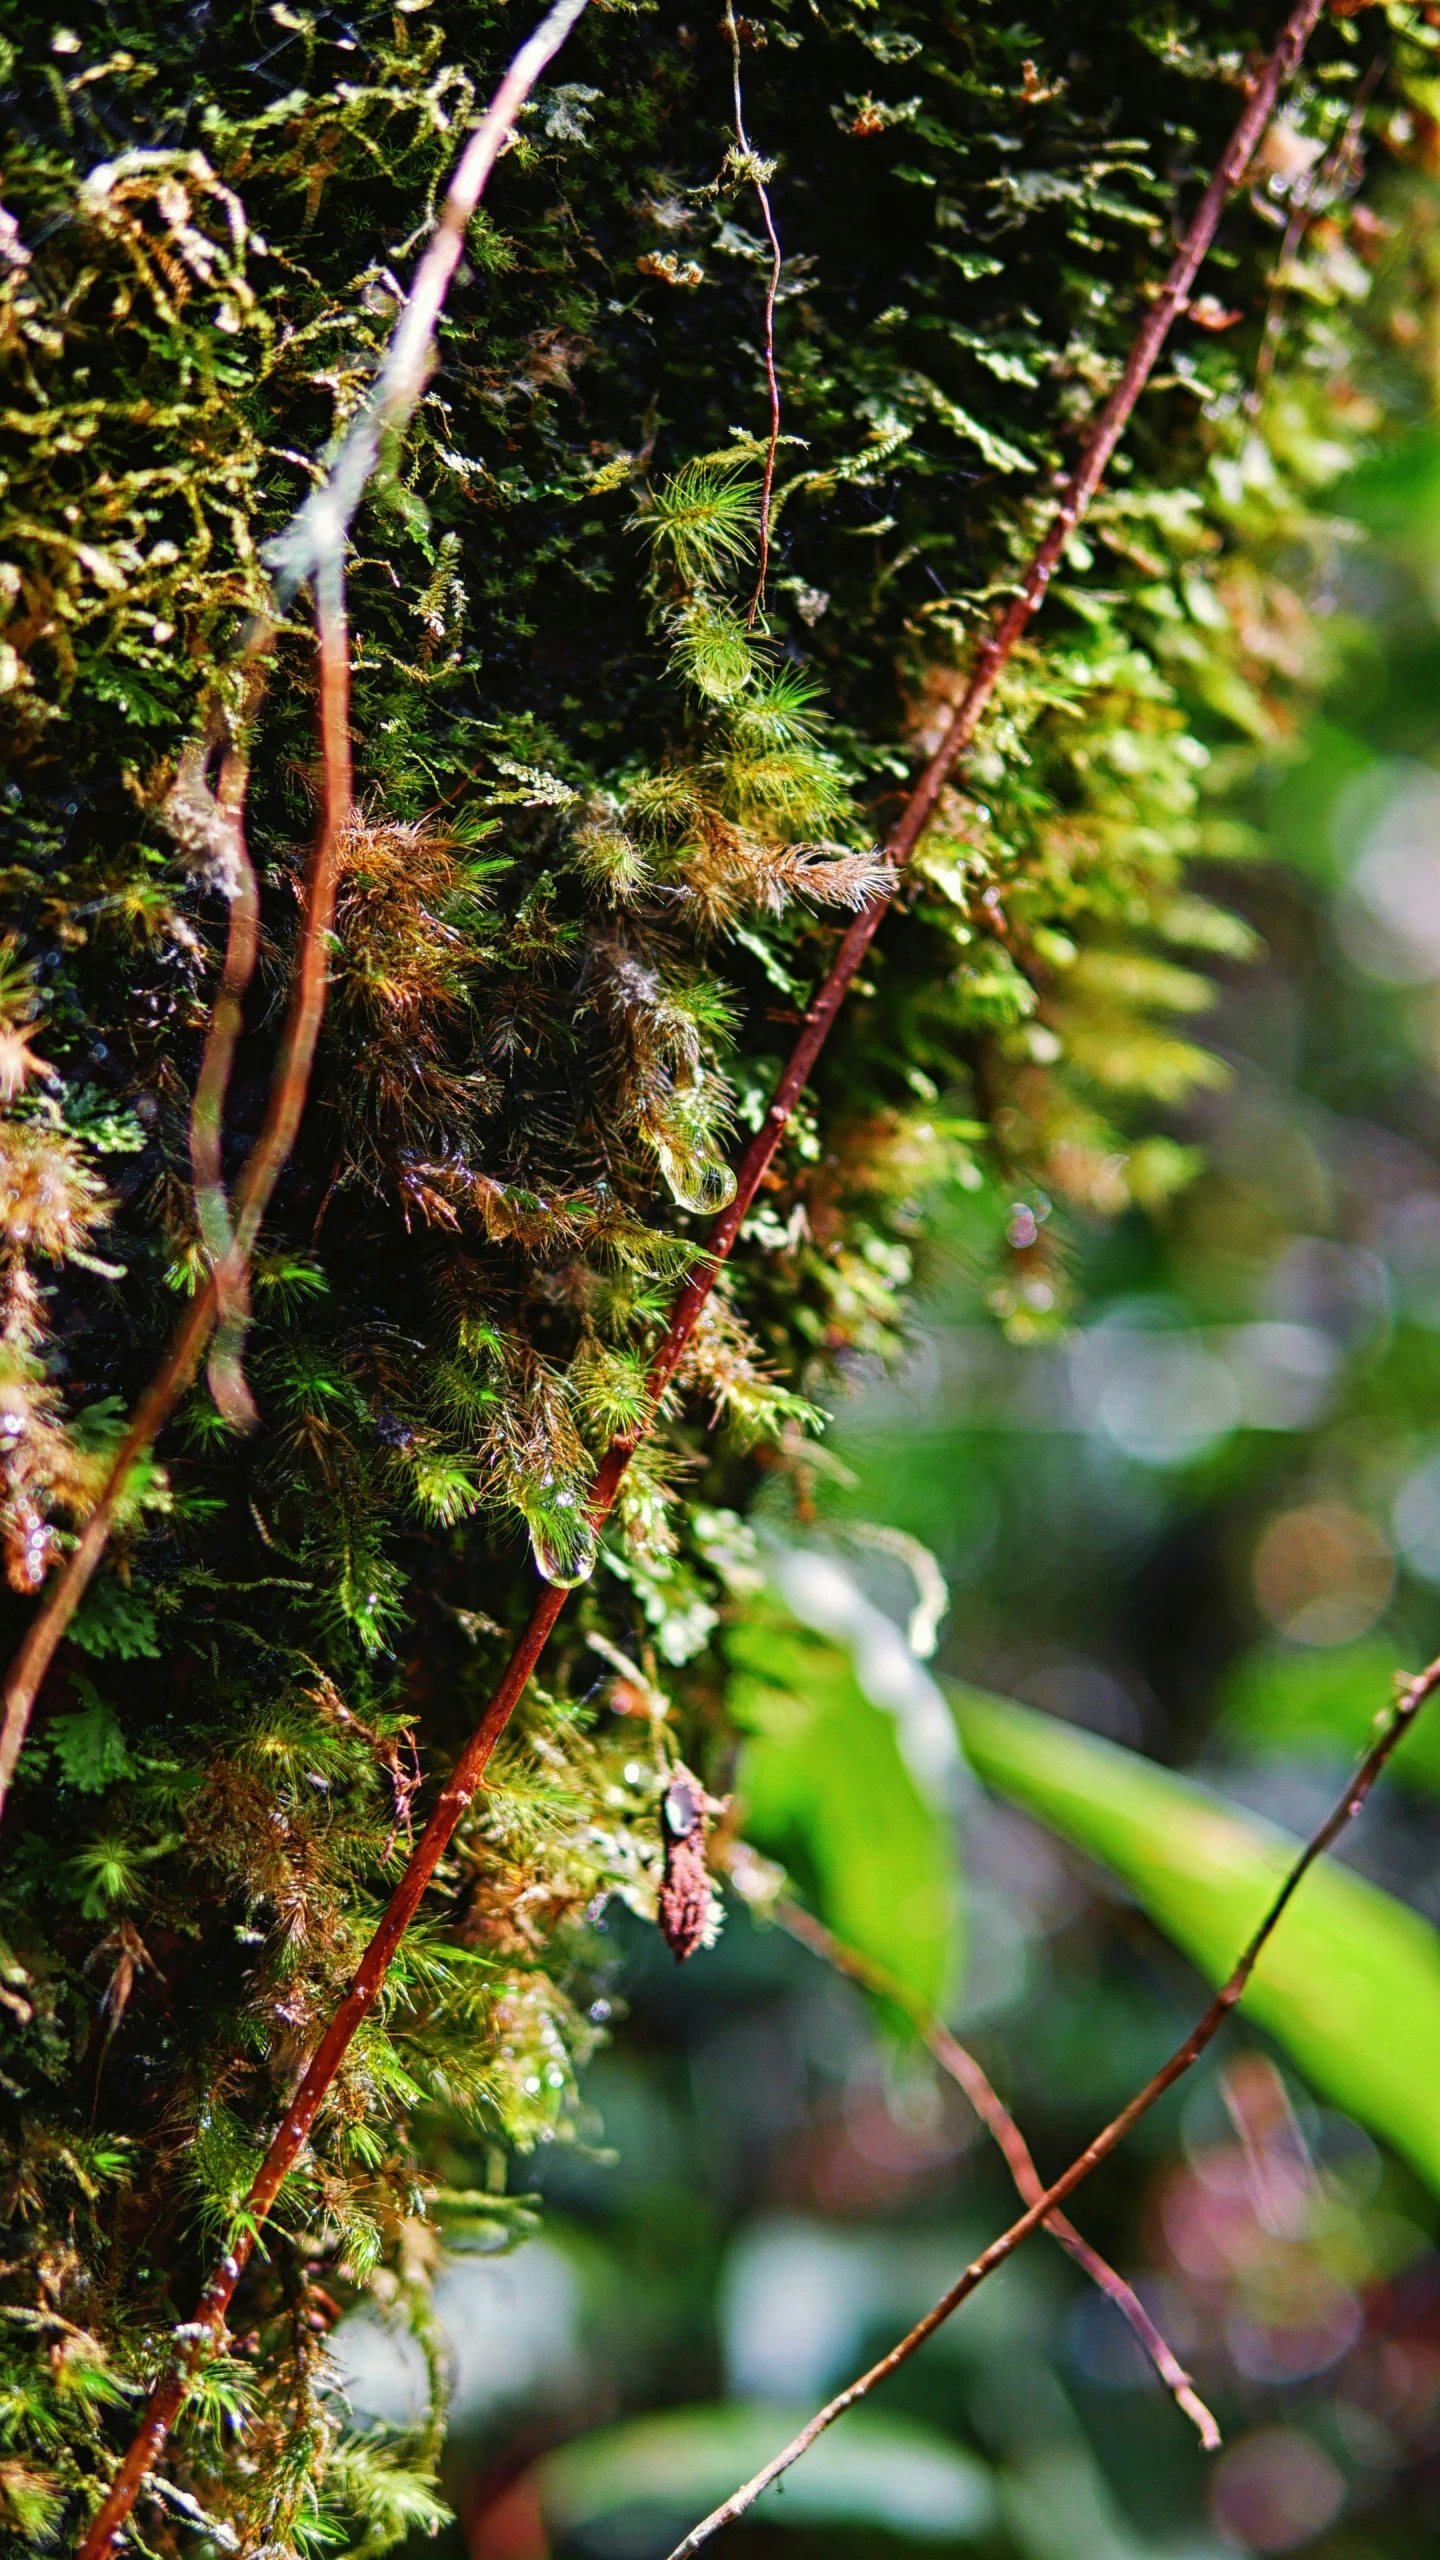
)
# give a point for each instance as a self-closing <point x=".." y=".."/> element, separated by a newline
<point x="685" y="1892"/>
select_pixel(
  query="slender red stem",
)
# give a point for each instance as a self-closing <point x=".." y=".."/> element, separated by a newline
<point x="1106" y="2141"/>
<point x="456" y="1794"/>
<point x="207" y="1109"/>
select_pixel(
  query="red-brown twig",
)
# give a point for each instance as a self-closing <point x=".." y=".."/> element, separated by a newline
<point x="207" y="1110"/>
<point x="312" y="547"/>
<point x="210" y="826"/>
<point x="307" y="995"/>
<point x="1113" y="2134"/>
<point x="456" y="1794"/>
<point x="1104" y="436"/>
<point x="990" y="2107"/>
<point x="756" y="170"/>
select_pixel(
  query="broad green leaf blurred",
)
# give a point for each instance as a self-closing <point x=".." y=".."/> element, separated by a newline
<point x="1280" y="1699"/>
<point x="894" y="2474"/>
<point x="825" y="1789"/>
<point x="1350" y="1982"/>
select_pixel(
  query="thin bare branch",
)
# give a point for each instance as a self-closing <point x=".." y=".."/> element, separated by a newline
<point x="456" y="1794"/>
<point x="990" y="2107"/>
<point x="313" y="547"/>
<point x="207" y="1111"/>
<point x="1401" y="1718"/>
<point x="1171" y="300"/>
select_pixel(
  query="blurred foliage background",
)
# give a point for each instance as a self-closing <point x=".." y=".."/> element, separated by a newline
<point x="1205" y="1526"/>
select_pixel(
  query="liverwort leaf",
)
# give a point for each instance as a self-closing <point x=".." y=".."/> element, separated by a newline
<point x="90" y="1744"/>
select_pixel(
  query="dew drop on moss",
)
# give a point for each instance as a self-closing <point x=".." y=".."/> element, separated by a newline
<point x="699" y="1183"/>
<point x="566" y="1561"/>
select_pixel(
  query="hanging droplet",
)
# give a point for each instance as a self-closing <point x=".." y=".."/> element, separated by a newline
<point x="565" y="1556"/>
<point x="702" y="1183"/>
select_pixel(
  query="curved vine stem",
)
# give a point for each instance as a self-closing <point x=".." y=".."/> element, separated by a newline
<point x="758" y="171"/>
<point x="312" y="548"/>
<point x="207" y="1110"/>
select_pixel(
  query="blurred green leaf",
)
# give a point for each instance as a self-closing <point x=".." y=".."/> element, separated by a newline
<point x="1326" y="1696"/>
<point x="895" y="2474"/>
<point x="1349" y="1984"/>
<point x="1396" y="493"/>
<point x="826" y="1790"/>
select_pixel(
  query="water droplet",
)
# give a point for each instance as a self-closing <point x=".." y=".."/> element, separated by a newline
<point x="565" y="1554"/>
<point x="697" y="1182"/>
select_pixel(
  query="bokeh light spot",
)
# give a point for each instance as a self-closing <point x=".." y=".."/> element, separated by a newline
<point x="1323" y="1574"/>
<point x="1275" y="2490"/>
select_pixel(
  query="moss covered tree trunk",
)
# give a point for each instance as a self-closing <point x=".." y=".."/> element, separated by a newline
<point x="635" y="692"/>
